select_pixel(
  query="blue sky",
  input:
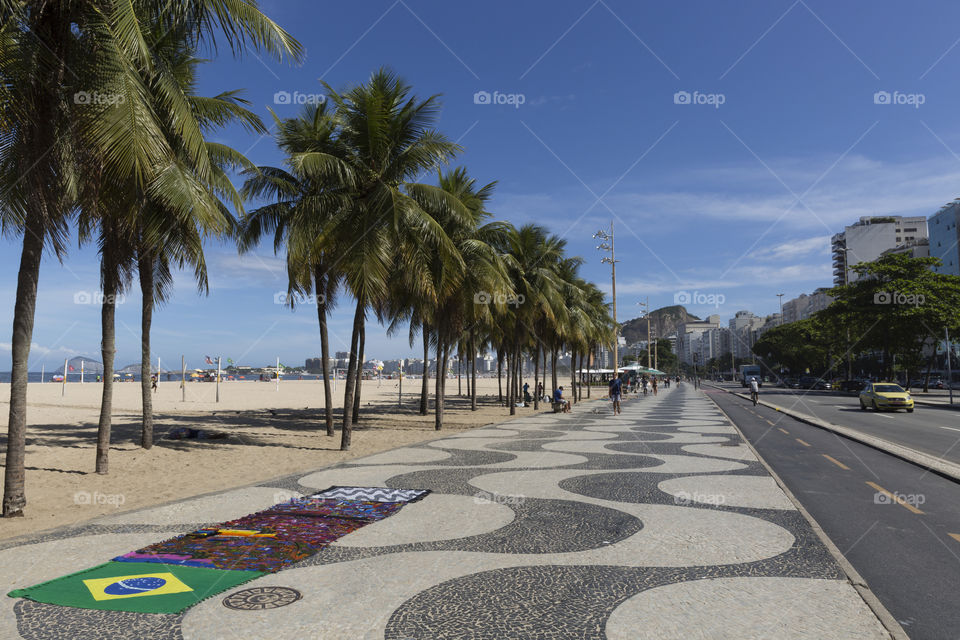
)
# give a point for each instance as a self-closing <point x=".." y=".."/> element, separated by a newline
<point x="735" y="200"/>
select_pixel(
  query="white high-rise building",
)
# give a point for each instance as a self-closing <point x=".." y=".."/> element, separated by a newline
<point x="944" y="237"/>
<point x="743" y="328"/>
<point x="866" y="240"/>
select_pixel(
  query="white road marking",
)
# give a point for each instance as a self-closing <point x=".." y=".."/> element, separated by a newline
<point x="950" y="428"/>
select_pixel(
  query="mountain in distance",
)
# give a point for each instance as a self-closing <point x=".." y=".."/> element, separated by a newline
<point x="663" y="322"/>
<point x="89" y="366"/>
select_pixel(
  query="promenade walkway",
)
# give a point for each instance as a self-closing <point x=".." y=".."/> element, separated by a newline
<point x="659" y="523"/>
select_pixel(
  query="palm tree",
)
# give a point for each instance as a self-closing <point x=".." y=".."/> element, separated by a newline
<point x="50" y="53"/>
<point x="304" y="200"/>
<point x="168" y="238"/>
<point x="532" y="256"/>
<point x="388" y="140"/>
<point x="458" y="206"/>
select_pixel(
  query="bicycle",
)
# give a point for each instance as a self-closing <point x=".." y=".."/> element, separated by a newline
<point x="755" y="396"/>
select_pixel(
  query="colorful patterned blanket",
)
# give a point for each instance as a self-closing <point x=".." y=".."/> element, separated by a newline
<point x="170" y="576"/>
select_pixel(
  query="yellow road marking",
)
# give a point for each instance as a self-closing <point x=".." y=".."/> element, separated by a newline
<point x="900" y="501"/>
<point x="770" y="423"/>
<point x="955" y="536"/>
<point x="806" y="444"/>
<point x="836" y="462"/>
<point x="784" y="430"/>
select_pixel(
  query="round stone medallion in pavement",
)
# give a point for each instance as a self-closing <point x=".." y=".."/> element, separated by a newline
<point x="260" y="598"/>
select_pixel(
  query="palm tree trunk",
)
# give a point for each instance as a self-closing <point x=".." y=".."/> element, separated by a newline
<point x="544" y="356"/>
<point x="351" y="382"/>
<point x="356" y="396"/>
<point x="318" y="279"/>
<point x="459" y="370"/>
<point x="441" y="378"/>
<point x="553" y="367"/>
<point x="573" y="375"/>
<point x="510" y="399"/>
<point x="14" y="496"/>
<point x="473" y="375"/>
<point x="589" y="386"/>
<point x="536" y="376"/>
<point x="145" y="270"/>
<point x="425" y="386"/>
<point x="108" y="312"/>
<point x="500" y="376"/>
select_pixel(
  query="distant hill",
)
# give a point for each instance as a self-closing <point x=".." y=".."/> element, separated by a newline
<point x="663" y="322"/>
<point x="89" y="365"/>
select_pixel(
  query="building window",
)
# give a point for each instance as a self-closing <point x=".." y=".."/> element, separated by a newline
<point x="914" y="230"/>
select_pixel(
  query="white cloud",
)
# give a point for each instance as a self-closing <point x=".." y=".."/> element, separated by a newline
<point x="817" y="245"/>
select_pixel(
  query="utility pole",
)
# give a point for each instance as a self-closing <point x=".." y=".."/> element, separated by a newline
<point x="645" y="308"/>
<point x="946" y="333"/>
<point x="612" y="261"/>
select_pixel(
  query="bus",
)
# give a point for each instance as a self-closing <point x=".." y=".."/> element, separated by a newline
<point x="748" y="371"/>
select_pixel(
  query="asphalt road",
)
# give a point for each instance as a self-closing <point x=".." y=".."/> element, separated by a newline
<point x="896" y="523"/>
<point x="931" y="430"/>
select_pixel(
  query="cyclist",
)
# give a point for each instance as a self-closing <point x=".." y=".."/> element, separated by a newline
<point x="754" y="390"/>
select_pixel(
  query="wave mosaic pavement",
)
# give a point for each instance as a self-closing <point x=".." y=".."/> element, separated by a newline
<point x="659" y="523"/>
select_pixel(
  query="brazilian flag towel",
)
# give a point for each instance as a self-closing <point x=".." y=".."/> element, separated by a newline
<point x="141" y="587"/>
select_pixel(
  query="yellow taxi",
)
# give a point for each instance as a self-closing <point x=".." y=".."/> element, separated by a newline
<point x="885" y="395"/>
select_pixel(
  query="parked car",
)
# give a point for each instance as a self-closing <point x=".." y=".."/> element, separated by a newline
<point x="823" y="385"/>
<point x="791" y="383"/>
<point x="811" y="382"/>
<point x="885" y="396"/>
<point x="851" y="386"/>
<point x="935" y="383"/>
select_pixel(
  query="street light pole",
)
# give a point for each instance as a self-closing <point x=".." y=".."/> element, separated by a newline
<point x="645" y="307"/>
<point x="612" y="261"/>
<point x="846" y="281"/>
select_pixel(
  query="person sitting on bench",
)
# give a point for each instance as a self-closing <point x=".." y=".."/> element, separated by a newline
<point x="559" y="402"/>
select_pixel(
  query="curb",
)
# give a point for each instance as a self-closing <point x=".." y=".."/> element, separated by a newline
<point x="886" y="618"/>
<point x="939" y="466"/>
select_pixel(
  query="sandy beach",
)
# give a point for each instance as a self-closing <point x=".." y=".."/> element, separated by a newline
<point x="270" y="433"/>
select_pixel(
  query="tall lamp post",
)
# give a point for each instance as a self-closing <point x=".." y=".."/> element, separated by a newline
<point x="607" y="244"/>
<point x="645" y="308"/>
<point x="846" y="281"/>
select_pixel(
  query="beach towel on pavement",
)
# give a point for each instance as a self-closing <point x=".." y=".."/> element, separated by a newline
<point x="137" y="587"/>
<point x="373" y="494"/>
